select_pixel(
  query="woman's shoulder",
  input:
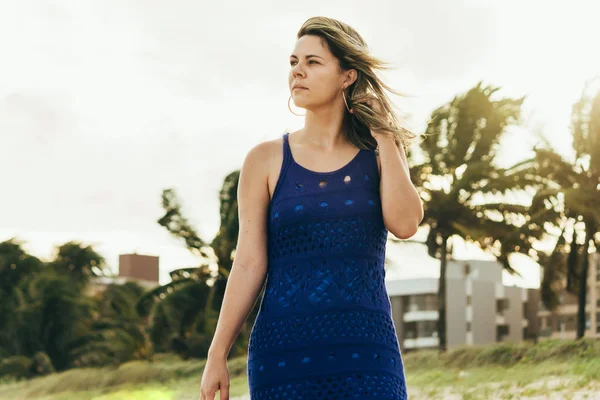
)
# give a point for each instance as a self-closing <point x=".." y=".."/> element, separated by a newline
<point x="265" y="155"/>
<point x="267" y="149"/>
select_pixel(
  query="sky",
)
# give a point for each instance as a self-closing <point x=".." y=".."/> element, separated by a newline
<point x="104" y="104"/>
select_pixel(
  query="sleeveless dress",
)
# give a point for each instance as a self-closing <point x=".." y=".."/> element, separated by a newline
<point x="324" y="328"/>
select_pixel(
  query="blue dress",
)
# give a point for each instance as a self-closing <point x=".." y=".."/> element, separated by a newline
<point x="324" y="328"/>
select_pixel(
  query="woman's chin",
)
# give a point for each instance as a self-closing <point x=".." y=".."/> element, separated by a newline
<point x="301" y="101"/>
<point x="301" y="104"/>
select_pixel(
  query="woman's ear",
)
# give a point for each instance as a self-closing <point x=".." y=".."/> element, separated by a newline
<point x="354" y="75"/>
<point x="351" y="78"/>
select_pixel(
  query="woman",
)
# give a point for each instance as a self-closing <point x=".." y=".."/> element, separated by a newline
<point x="315" y="208"/>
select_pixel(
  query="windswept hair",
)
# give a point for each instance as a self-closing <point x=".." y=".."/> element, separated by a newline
<point x="346" y="44"/>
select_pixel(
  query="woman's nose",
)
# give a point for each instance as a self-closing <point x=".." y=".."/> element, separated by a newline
<point x="296" y="70"/>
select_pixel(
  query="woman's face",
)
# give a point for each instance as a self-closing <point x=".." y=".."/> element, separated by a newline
<point x="313" y="66"/>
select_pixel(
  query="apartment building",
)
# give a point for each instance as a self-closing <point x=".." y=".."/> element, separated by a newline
<point x="562" y="322"/>
<point x="480" y="309"/>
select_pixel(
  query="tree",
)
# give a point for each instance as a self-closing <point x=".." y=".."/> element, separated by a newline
<point x="462" y="188"/>
<point x="15" y="266"/>
<point x="576" y="187"/>
<point x="51" y="316"/>
<point x="79" y="261"/>
<point x="184" y="312"/>
<point x="117" y="332"/>
<point x="47" y="322"/>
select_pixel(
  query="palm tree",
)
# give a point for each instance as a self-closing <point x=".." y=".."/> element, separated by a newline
<point x="117" y="332"/>
<point x="576" y="186"/>
<point x="15" y="266"/>
<point x="51" y="316"/>
<point x="462" y="188"/>
<point x="79" y="261"/>
<point x="185" y="311"/>
<point x="47" y="321"/>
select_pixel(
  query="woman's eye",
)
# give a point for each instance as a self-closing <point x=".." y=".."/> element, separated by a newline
<point x="310" y="61"/>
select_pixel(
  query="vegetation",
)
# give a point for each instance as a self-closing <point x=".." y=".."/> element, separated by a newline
<point x="505" y="369"/>
<point x="52" y="324"/>
<point x="183" y="313"/>
<point x="574" y="186"/>
<point x="48" y="323"/>
<point x="464" y="192"/>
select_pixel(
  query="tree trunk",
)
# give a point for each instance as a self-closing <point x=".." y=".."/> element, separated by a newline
<point x="441" y="297"/>
<point x="583" y="283"/>
<point x="573" y="266"/>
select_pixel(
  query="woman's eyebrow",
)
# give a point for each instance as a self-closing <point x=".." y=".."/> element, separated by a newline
<point x="308" y="56"/>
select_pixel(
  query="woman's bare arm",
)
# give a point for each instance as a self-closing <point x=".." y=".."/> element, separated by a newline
<point x="249" y="268"/>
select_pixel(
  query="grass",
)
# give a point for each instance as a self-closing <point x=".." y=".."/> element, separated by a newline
<point x="502" y="371"/>
<point x="553" y="367"/>
<point x="165" y="378"/>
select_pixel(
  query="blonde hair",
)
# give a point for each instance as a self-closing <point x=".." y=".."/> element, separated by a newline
<point x="350" y="49"/>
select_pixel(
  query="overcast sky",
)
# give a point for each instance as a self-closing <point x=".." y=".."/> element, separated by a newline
<point x="103" y="104"/>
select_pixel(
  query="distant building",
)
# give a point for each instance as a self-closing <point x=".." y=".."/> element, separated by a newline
<point x="480" y="309"/>
<point x="139" y="267"/>
<point x="142" y="269"/>
<point x="562" y="323"/>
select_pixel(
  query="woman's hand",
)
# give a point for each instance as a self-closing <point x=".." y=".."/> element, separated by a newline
<point x="215" y="377"/>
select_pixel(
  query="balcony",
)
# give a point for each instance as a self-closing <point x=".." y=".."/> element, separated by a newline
<point x="421" y="342"/>
<point x="420" y="316"/>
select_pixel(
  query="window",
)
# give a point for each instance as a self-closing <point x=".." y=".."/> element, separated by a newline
<point x="546" y="332"/>
<point x="567" y="298"/>
<point x="598" y="322"/>
<point x="468" y="300"/>
<point x="410" y="330"/>
<point x="420" y="302"/>
<point x="501" y="332"/>
<point x="467" y="269"/>
<point x="501" y="305"/>
<point x="588" y="321"/>
<point x="469" y="327"/>
<point x="426" y="328"/>
<point x="418" y="329"/>
<point x="570" y="323"/>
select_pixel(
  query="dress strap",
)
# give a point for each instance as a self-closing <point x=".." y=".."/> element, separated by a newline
<point x="285" y="165"/>
<point x="287" y="152"/>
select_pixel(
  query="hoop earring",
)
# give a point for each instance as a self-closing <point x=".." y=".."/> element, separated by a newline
<point x="289" y="108"/>
<point x="344" y="97"/>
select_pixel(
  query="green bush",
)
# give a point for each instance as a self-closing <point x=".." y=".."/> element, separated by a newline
<point x="506" y="354"/>
<point x="425" y="359"/>
<point x="42" y="364"/>
<point x="557" y="349"/>
<point x="462" y="357"/>
<point x="19" y="367"/>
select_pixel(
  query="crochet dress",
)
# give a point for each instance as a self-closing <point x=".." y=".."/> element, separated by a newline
<point x="324" y="328"/>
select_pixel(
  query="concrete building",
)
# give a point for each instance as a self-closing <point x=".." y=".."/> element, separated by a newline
<point x="480" y="309"/>
<point x="143" y="269"/>
<point x="139" y="267"/>
<point x="562" y="322"/>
